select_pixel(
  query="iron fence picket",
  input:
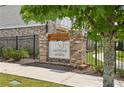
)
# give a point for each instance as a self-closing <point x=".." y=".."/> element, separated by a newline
<point x="96" y="53"/>
<point x="17" y="43"/>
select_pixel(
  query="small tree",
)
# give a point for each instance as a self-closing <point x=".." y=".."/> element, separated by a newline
<point x="103" y="22"/>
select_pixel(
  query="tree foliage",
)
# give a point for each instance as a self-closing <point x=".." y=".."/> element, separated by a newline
<point x="99" y="19"/>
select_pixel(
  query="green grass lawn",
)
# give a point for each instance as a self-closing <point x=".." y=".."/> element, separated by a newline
<point x="96" y="66"/>
<point x="120" y="56"/>
<point x="5" y="80"/>
<point x="91" y="60"/>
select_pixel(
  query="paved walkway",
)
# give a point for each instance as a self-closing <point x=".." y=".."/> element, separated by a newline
<point x="58" y="76"/>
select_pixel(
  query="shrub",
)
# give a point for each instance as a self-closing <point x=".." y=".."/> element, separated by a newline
<point x="120" y="72"/>
<point x="14" y="54"/>
<point x="7" y="53"/>
<point x="24" y="53"/>
<point x="19" y="54"/>
<point x="99" y="69"/>
<point x="1" y="54"/>
<point x="30" y="51"/>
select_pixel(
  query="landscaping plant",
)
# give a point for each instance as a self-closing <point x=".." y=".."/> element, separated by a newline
<point x="98" y="69"/>
<point x="7" y="53"/>
<point x="30" y="51"/>
<point x="19" y="54"/>
<point x="1" y="54"/>
<point x="14" y="54"/>
<point x="121" y="72"/>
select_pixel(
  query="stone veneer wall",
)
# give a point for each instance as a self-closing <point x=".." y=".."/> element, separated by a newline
<point x="21" y="31"/>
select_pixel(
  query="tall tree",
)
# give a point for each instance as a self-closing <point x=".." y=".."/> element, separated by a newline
<point x="103" y="22"/>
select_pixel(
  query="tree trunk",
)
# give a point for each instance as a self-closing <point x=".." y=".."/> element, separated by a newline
<point x="109" y="63"/>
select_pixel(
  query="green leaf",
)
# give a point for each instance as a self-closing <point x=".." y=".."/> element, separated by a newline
<point x="97" y="18"/>
<point x="94" y="36"/>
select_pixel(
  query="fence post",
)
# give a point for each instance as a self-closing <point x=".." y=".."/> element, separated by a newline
<point x="17" y="43"/>
<point x="95" y="53"/>
<point x="34" y="47"/>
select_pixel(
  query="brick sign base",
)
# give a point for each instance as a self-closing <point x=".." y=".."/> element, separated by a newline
<point x="77" y="49"/>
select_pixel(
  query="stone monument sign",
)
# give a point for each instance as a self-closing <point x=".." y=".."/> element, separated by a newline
<point x="59" y="45"/>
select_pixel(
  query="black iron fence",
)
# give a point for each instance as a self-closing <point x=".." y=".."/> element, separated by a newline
<point x="30" y="42"/>
<point x="95" y="55"/>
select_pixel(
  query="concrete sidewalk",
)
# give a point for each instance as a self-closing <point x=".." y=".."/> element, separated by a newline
<point x="58" y="76"/>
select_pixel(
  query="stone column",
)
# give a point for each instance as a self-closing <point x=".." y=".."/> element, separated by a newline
<point x="43" y="41"/>
<point x="78" y="50"/>
<point x="43" y="47"/>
